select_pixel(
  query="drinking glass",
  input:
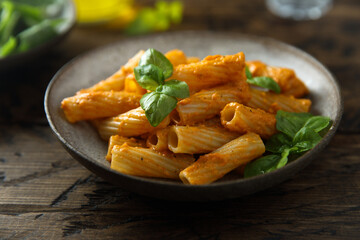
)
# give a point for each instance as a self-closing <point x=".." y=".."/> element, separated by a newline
<point x="299" y="9"/>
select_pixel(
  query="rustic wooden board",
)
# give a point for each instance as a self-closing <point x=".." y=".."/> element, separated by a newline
<point x="45" y="194"/>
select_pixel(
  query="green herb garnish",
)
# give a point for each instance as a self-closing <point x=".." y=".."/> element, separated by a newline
<point x="27" y="24"/>
<point x="264" y="82"/>
<point x="151" y="73"/>
<point x="298" y="133"/>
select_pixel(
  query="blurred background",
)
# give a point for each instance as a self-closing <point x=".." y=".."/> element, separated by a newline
<point x="329" y="38"/>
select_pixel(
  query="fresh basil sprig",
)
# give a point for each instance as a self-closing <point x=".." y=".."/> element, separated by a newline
<point x="298" y="133"/>
<point x="151" y="73"/>
<point x="264" y="82"/>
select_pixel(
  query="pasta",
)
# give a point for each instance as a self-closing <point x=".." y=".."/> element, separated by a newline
<point x="92" y="105"/>
<point x="146" y="162"/>
<point x="120" y="140"/>
<point x="197" y="139"/>
<point x="217" y="129"/>
<point x="116" y="81"/>
<point x="286" y="78"/>
<point x="129" y="124"/>
<point x="213" y="166"/>
<point x="212" y="71"/>
<point x="158" y="140"/>
<point x="208" y="103"/>
<point x="239" y="118"/>
<point x="272" y="102"/>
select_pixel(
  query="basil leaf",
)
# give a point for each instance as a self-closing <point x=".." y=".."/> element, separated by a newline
<point x="305" y="139"/>
<point x="317" y="123"/>
<point x="157" y="106"/>
<point x="261" y="165"/>
<point x="248" y="73"/>
<point x="265" y="82"/>
<point x="152" y="56"/>
<point x="8" y="47"/>
<point x="278" y="142"/>
<point x="175" y="88"/>
<point x="291" y="123"/>
<point x="149" y="76"/>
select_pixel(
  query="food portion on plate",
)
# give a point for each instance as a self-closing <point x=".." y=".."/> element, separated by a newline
<point x="25" y="25"/>
<point x="178" y="117"/>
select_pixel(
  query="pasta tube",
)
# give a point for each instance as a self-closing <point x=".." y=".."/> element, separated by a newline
<point x="176" y="57"/>
<point x="242" y="119"/>
<point x="198" y="139"/>
<point x="210" y="167"/>
<point x="272" y="102"/>
<point x="192" y="60"/>
<point x="129" y="124"/>
<point x="120" y="140"/>
<point x="93" y="105"/>
<point x="132" y="86"/>
<point x="158" y="140"/>
<point x="208" y="103"/>
<point x="116" y="81"/>
<point x="211" y="71"/>
<point x="286" y="78"/>
<point x="148" y="163"/>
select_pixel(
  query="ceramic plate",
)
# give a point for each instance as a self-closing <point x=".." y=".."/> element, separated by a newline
<point x="84" y="144"/>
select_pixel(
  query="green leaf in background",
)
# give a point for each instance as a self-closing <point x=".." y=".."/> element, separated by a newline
<point x="261" y="165"/>
<point x="9" y="19"/>
<point x="158" y="18"/>
<point x="175" y="88"/>
<point x="149" y="76"/>
<point x="32" y="15"/>
<point x="290" y="123"/>
<point x="152" y="56"/>
<point x="157" y="106"/>
<point x="36" y="35"/>
<point x="8" y="47"/>
<point x="265" y="82"/>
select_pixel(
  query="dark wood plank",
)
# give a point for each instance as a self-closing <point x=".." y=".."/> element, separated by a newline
<point x="53" y="195"/>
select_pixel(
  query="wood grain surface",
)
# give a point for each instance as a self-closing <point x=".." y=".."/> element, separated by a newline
<point x="45" y="194"/>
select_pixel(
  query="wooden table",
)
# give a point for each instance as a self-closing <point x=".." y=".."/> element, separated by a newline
<point x="45" y="194"/>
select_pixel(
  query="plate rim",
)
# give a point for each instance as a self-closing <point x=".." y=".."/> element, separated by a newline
<point x="178" y="185"/>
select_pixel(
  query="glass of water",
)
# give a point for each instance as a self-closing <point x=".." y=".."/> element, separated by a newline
<point x="299" y="9"/>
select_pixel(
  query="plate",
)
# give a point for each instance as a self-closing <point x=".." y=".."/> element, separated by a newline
<point x="84" y="144"/>
<point x="68" y="12"/>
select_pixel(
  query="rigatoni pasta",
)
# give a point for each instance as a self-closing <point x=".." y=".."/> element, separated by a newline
<point x="272" y="102"/>
<point x="197" y="139"/>
<point x="129" y="124"/>
<point x="146" y="162"/>
<point x="239" y="118"/>
<point x="208" y="103"/>
<point x="222" y="122"/>
<point x="289" y="83"/>
<point x="212" y="71"/>
<point x="210" y="167"/>
<point x="92" y="105"/>
<point x="120" y="140"/>
<point x="116" y="81"/>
